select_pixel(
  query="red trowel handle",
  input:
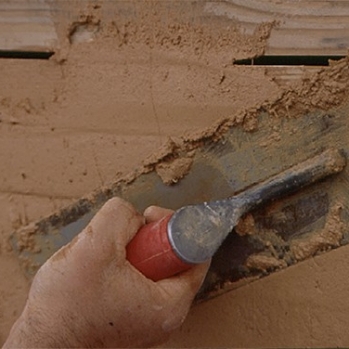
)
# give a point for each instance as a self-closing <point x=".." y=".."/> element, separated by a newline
<point x="151" y="253"/>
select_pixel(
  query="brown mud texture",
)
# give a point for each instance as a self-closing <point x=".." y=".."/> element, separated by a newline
<point x="149" y="82"/>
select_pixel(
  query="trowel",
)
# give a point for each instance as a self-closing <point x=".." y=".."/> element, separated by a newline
<point x="191" y="235"/>
<point x="270" y="173"/>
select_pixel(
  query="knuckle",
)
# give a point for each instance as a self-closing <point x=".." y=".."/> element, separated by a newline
<point x="117" y="204"/>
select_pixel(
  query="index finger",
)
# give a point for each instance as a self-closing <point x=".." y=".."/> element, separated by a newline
<point x="111" y="229"/>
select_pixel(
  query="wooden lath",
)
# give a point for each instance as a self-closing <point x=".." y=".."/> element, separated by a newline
<point x="309" y="27"/>
<point x="26" y="26"/>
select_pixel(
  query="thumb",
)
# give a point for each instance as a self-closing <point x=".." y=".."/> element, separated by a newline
<point x="180" y="291"/>
<point x="156" y="213"/>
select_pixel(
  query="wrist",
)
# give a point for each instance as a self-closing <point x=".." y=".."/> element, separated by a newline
<point x="20" y="335"/>
<point x="34" y="329"/>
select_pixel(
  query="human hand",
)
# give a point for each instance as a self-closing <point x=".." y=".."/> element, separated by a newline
<point x="88" y="295"/>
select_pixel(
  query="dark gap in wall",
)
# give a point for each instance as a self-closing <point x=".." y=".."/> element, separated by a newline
<point x="25" y="54"/>
<point x="289" y="60"/>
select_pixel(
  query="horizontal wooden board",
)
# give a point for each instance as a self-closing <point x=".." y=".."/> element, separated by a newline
<point x="308" y="27"/>
<point x="301" y="27"/>
<point x="26" y="26"/>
